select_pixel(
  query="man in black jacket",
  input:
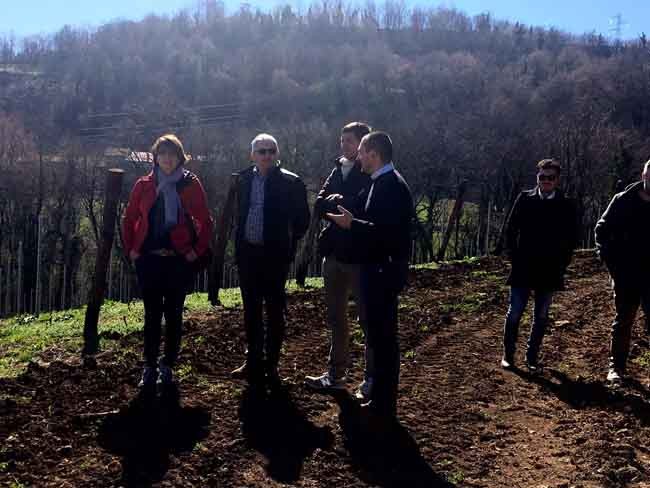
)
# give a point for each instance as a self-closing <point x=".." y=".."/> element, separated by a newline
<point x="273" y="215"/>
<point x="623" y="240"/>
<point x="382" y="231"/>
<point x="341" y="263"/>
<point x="541" y="234"/>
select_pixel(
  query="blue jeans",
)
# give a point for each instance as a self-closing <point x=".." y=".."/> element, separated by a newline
<point x="518" y="301"/>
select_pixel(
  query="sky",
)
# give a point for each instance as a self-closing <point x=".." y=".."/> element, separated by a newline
<point x="26" y="17"/>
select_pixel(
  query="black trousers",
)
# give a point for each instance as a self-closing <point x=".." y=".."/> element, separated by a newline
<point x="262" y="279"/>
<point x="380" y="287"/>
<point x="627" y="298"/>
<point x="164" y="281"/>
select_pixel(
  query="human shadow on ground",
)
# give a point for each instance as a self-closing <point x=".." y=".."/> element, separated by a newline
<point x="385" y="455"/>
<point x="273" y="425"/>
<point x="147" y="430"/>
<point x="630" y="397"/>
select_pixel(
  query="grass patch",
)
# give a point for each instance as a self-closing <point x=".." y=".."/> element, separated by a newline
<point x="231" y="297"/>
<point x="466" y="260"/>
<point x="487" y="275"/>
<point x="469" y="303"/>
<point x="456" y="477"/>
<point x="24" y="337"/>
<point x="643" y="360"/>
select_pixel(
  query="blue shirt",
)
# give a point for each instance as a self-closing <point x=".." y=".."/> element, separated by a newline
<point x="254" y="231"/>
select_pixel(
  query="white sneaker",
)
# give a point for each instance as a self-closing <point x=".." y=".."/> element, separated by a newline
<point x="364" y="390"/>
<point x="614" y="376"/>
<point x="325" y="382"/>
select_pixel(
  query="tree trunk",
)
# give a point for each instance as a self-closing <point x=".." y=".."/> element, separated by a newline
<point x="215" y="276"/>
<point x="111" y="199"/>
<point x="454" y="218"/>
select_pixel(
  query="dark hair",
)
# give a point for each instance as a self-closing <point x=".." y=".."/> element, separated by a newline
<point x="380" y="143"/>
<point x="550" y="164"/>
<point x="173" y="142"/>
<point x="359" y="129"/>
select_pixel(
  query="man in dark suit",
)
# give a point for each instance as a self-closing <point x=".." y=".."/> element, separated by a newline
<point x="273" y="215"/>
<point x="541" y="234"/>
<point x="382" y="229"/>
<point x="622" y="240"/>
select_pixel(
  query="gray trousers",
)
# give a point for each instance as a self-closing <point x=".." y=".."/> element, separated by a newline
<point x="341" y="281"/>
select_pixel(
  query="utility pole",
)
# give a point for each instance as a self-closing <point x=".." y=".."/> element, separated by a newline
<point x="617" y="24"/>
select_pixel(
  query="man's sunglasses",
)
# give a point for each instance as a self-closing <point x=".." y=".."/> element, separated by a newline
<point x="546" y="177"/>
<point x="264" y="151"/>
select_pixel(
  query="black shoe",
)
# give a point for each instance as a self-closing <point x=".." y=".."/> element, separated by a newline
<point x="149" y="378"/>
<point x="374" y="419"/>
<point x="273" y="379"/>
<point x="165" y="375"/>
<point x="533" y="367"/>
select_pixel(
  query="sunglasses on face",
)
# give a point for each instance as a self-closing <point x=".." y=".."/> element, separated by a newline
<point x="264" y="151"/>
<point x="546" y="177"/>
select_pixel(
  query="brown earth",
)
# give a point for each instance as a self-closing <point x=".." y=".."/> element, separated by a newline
<point x="464" y="421"/>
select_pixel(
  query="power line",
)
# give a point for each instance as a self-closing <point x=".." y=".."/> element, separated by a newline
<point x="104" y="132"/>
<point x="197" y="108"/>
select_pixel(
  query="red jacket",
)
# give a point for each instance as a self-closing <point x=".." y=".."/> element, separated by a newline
<point x="135" y="222"/>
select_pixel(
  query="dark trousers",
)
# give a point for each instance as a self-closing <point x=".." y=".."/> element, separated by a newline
<point x="627" y="298"/>
<point x="380" y="287"/>
<point x="164" y="281"/>
<point x="518" y="301"/>
<point x="262" y="278"/>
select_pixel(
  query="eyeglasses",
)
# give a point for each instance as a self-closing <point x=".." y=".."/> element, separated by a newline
<point x="264" y="151"/>
<point x="547" y="177"/>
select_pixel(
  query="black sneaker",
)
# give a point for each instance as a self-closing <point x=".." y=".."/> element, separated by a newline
<point x="533" y="367"/>
<point x="149" y="377"/>
<point x="273" y="380"/>
<point x="165" y="376"/>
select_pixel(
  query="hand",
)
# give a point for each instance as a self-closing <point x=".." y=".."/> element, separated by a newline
<point x="344" y="219"/>
<point x="191" y="256"/>
<point x="133" y="255"/>
<point x="334" y="197"/>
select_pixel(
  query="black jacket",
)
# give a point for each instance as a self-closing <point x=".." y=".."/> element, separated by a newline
<point x="286" y="212"/>
<point x="623" y="236"/>
<point x="382" y="232"/>
<point x="540" y="238"/>
<point x="334" y="241"/>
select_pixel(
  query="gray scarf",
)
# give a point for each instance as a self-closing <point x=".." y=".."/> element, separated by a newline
<point x="166" y="184"/>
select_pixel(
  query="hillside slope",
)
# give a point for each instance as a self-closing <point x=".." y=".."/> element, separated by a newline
<point x="465" y="422"/>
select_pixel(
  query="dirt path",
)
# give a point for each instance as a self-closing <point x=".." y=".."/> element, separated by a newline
<point x="464" y="421"/>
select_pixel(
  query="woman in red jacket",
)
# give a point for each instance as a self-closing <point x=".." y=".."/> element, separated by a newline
<point x="166" y="227"/>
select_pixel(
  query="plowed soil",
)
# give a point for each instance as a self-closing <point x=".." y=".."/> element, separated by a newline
<point x="463" y="420"/>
